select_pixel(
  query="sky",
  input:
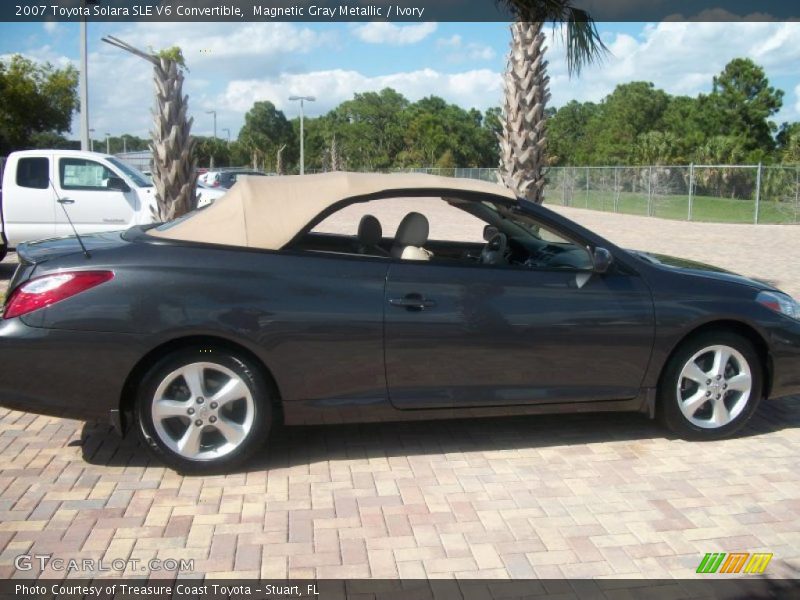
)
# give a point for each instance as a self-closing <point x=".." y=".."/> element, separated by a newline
<point x="233" y="65"/>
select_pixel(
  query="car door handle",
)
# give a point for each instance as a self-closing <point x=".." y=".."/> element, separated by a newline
<point x="412" y="302"/>
<point x="66" y="201"/>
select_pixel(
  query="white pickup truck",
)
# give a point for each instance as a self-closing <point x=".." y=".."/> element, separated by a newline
<point x="102" y="193"/>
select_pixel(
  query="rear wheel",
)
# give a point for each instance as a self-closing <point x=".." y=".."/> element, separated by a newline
<point x="203" y="410"/>
<point x="711" y="386"/>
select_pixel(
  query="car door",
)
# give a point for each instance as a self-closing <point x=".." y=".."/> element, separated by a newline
<point x="29" y="204"/>
<point x="466" y="336"/>
<point x="95" y="206"/>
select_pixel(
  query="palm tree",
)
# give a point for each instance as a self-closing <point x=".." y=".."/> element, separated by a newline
<point x="792" y="152"/>
<point x="279" y="160"/>
<point x="523" y="139"/>
<point x="174" y="171"/>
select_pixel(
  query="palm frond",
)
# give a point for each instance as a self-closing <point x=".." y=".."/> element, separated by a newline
<point x="584" y="46"/>
<point x="581" y="37"/>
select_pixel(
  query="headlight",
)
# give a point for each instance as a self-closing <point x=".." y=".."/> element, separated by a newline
<point x="780" y="303"/>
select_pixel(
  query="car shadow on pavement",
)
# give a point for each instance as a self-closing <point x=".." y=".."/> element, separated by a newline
<point x="292" y="446"/>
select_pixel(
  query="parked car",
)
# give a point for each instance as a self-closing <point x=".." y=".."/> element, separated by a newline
<point x="226" y="178"/>
<point x="207" y="194"/>
<point x="103" y="193"/>
<point x="204" y="332"/>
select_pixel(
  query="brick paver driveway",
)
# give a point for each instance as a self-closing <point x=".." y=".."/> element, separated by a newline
<point x="556" y="496"/>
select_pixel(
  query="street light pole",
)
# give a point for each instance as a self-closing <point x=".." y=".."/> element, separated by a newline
<point x="302" y="150"/>
<point x="213" y="112"/>
<point x="108" y="143"/>
<point x="84" y="89"/>
<point x="228" y="131"/>
<point x="91" y="140"/>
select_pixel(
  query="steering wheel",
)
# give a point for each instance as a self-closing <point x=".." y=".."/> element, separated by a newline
<point x="495" y="251"/>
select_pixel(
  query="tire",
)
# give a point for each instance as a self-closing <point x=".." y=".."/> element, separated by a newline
<point x="203" y="410"/>
<point x="699" y="410"/>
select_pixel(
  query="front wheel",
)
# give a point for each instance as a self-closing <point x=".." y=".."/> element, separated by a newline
<point x="711" y="386"/>
<point x="203" y="410"/>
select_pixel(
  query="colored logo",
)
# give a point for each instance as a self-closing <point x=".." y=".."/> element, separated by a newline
<point x="735" y="562"/>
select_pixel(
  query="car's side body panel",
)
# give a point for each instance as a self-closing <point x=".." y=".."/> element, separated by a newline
<point x="76" y="374"/>
<point x="315" y="320"/>
<point x="506" y="336"/>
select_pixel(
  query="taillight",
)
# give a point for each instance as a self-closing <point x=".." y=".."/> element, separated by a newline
<point x="49" y="289"/>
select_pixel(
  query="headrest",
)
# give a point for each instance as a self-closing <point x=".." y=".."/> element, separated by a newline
<point x="370" y="231"/>
<point x="413" y="230"/>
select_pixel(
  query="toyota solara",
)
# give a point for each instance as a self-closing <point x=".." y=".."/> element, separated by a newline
<point x="284" y="302"/>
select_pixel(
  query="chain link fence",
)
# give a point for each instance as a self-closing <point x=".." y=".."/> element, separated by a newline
<point x="712" y="193"/>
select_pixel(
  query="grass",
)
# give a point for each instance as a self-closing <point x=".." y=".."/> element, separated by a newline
<point x="704" y="208"/>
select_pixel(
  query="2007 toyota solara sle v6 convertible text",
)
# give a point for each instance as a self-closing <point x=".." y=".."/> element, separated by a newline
<point x="284" y="302"/>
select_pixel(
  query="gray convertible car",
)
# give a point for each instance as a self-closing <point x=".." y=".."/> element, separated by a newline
<point x="202" y="333"/>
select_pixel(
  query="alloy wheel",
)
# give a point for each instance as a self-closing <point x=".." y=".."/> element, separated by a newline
<point x="714" y="386"/>
<point x="202" y="411"/>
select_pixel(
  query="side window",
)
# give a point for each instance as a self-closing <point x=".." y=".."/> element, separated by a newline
<point x="82" y="174"/>
<point x="447" y="223"/>
<point x="546" y="249"/>
<point x="33" y="173"/>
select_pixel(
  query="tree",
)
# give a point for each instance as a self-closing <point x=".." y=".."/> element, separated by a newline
<point x="788" y="140"/>
<point x="265" y="130"/>
<point x="373" y="124"/>
<point x="631" y="110"/>
<point x="719" y="150"/>
<point x="744" y="101"/>
<point x="36" y="101"/>
<point x="569" y="142"/>
<point x="207" y="147"/>
<point x="493" y="121"/>
<point x="688" y="120"/>
<point x="791" y="153"/>
<point x="523" y="143"/>
<point x="655" y="148"/>
<point x="174" y="172"/>
<point x="50" y="139"/>
<point x="436" y="131"/>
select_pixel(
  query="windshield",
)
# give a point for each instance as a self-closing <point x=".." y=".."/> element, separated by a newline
<point x="138" y="178"/>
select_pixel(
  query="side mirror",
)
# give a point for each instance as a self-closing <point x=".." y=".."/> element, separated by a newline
<point x="489" y="232"/>
<point x="602" y="260"/>
<point x="117" y="183"/>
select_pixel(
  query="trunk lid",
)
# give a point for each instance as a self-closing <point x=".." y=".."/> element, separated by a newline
<point x="31" y="254"/>
<point x="41" y="251"/>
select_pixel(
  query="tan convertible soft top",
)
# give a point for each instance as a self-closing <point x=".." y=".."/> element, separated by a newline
<point x="268" y="212"/>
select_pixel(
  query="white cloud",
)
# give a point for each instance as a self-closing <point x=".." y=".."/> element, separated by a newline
<point x="480" y="88"/>
<point x="247" y="39"/>
<point x="454" y="41"/>
<point x="50" y="26"/>
<point x="231" y="51"/>
<point x="43" y="54"/>
<point x="459" y="51"/>
<point x="377" y="32"/>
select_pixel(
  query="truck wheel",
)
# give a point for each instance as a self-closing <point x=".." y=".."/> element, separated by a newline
<point x="203" y="410"/>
